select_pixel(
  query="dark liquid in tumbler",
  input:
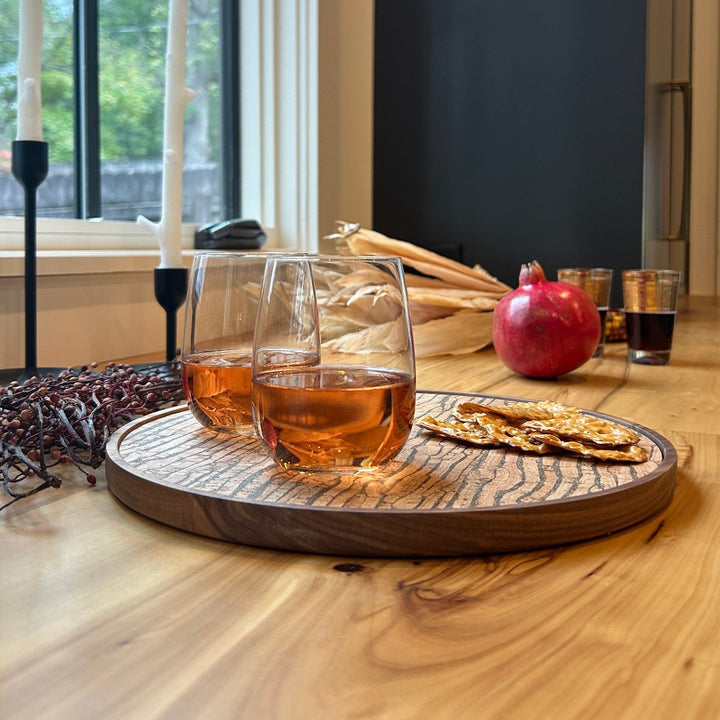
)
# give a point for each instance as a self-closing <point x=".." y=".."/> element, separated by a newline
<point x="650" y="330"/>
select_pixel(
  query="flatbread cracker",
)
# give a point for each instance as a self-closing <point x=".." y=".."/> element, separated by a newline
<point x="489" y="434"/>
<point x="456" y="429"/>
<point x="585" y="428"/>
<point x="541" y="410"/>
<point x="540" y="427"/>
<point x="630" y="453"/>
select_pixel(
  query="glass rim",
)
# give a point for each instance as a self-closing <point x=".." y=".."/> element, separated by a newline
<point x="232" y="254"/>
<point x="330" y="257"/>
<point x="605" y="272"/>
<point x="291" y="255"/>
<point x="652" y="273"/>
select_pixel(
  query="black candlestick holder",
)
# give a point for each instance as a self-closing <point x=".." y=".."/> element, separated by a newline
<point x="30" y="168"/>
<point x="170" y="290"/>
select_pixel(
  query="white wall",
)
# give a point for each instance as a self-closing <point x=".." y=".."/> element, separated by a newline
<point x="705" y="182"/>
<point x="83" y="317"/>
<point x="345" y="113"/>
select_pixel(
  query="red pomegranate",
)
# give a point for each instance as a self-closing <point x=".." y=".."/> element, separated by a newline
<point x="544" y="329"/>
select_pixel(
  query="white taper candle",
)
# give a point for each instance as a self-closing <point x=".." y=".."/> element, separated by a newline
<point x="29" y="99"/>
<point x="177" y="97"/>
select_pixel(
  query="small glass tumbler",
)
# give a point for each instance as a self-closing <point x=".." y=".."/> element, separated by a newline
<point x="596" y="282"/>
<point x="333" y="377"/>
<point x="217" y="343"/>
<point x="650" y="298"/>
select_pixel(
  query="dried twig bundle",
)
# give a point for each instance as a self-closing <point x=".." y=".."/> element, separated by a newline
<point x="49" y="421"/>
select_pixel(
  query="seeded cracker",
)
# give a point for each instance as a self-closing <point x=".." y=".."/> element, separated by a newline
<point x="491" y="433"/>
<point x="629" y="453"/>
<point x="586" y="429"/>
<point x="456" y="429"/>
<point x="543" y="410"/>
<point x="539" y="427"/>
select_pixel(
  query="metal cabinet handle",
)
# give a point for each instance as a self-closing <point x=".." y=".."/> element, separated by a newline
<point x="683" y="87"/>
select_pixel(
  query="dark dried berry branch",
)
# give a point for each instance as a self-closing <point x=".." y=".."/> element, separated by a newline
<point x="68" y="418"/>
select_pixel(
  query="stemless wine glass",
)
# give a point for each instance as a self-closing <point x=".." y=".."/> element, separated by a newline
<point x="218" y="339"/>
<point x="333" y="375"/>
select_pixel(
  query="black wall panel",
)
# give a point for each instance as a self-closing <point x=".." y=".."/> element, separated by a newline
<point x="513" y="128"/>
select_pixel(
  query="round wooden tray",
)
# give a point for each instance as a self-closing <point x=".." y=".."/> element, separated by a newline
<point x="437" y="498"/>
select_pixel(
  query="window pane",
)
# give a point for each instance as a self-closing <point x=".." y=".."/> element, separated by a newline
<point x="55" y="196"/>
<point x="132" y="46"/>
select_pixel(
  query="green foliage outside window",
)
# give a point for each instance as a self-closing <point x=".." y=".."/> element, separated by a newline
<point x="132" y="46"/>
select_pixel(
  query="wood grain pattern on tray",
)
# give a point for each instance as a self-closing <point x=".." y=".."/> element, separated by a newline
<point x="437" y="498"/>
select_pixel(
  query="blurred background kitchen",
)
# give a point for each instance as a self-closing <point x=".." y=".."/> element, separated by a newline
<point x="575" y="133"/>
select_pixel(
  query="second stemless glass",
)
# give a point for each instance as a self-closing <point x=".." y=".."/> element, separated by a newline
<point x="217" y="345"/>
<point x="333" y="386"/>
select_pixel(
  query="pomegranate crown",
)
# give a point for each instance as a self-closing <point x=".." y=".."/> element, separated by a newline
<point x="532" y="273"/>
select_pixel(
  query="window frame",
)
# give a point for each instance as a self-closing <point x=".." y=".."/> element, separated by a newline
<point x="88" y="231"/>
<point x="276" y="81"/>
<point x="86" y="105"/>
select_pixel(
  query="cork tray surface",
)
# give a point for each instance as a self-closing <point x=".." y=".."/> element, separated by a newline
<point x="438" y="497"/>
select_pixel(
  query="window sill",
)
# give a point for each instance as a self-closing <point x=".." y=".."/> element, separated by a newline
<point x="82" y="247"/>
<point x="84" y="262"/>
<point x="76" y="247"/>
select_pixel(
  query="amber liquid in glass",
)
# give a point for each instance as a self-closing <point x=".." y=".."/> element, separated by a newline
<point x="217" y="388"/>
<point x="329" y="417"/>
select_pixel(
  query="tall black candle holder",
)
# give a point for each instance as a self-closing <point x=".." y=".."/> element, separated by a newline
<point x="30" y="168"/>
<point x="170" y="290"/>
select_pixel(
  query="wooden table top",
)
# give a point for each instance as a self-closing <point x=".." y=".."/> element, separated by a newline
<point x="107" y="614"/>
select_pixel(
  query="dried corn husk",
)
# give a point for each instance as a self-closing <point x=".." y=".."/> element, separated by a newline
<point x="391" y="336"/>
<point x="439" y="302"/>
<point x="455" y="274"/>
<point x="450" y="304"/>
<point x="463" y="332"/>
<point x="355" y="301"/>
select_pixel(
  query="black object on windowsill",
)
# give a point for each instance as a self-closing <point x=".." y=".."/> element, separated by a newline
<point x="230" y="235"/>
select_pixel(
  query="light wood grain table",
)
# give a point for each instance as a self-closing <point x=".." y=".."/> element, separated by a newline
<point x="106" y="614"/>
